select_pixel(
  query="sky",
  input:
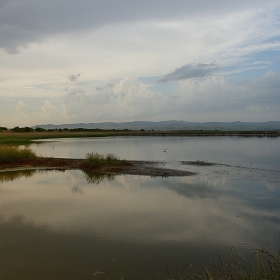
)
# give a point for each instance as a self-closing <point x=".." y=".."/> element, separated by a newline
<point x="66" y="61"/>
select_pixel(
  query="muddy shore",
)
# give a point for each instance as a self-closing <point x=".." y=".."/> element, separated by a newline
<point x="144" y="168"/>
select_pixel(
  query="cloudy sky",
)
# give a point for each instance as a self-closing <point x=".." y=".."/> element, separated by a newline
<point x="66" y="61"/>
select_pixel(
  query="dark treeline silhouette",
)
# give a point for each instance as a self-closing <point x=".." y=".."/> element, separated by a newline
<point x="40" y="129"/>
<point x="143" y="132"/>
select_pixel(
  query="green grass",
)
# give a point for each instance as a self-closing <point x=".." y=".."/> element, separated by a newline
<point x="9" y="154"/>
<point x="27" y="138"/>
<point x="95" y="159"/>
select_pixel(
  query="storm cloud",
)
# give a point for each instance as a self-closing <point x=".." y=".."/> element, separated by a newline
<point x="189" y="71"/>
<point x="23" y="22"/>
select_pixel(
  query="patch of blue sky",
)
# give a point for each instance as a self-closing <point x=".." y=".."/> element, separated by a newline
<point x="253" y="67"/>
<point x="273" y="39"/>
<point x="238" y="74"/>
<point x="271" y="56"/>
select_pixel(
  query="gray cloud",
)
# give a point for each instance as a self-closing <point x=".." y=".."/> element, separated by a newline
<point x="25" y="21"/>
<point x="73" y="78"/>
<point x="108" y="85"/>
<point x="189" y="71"/>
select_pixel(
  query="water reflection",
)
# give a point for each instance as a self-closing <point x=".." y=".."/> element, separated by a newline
<point x="90" y="176"/>
<point x="250" y="152"/>
<point x="15" y="175"/>
<point x="97" y="177"/>
<point x="56" y="225"/>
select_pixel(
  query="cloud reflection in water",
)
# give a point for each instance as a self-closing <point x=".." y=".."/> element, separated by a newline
<point x="193" y="213"/>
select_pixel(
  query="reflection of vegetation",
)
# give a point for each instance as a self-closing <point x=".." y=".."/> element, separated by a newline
<point x="95" y="159"/>
<point x="97" y="177"/>
<point x="15" y="175"/>
<point x="12" y="154"/>
<point x="199" y="163"/>
<point x="27" y="173"/>
<point x="263" y="266"/>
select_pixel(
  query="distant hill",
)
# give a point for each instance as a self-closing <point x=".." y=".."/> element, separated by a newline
<point x="172" y="125"/>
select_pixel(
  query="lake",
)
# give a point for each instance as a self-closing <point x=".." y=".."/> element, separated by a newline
<point x="71" y="224"/>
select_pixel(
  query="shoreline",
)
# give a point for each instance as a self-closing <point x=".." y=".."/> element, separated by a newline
<point x="27" y="138"/>
<point x="142" y="168"/>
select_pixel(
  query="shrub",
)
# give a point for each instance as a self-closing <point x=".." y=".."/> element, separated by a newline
<point x="95" y="159"/>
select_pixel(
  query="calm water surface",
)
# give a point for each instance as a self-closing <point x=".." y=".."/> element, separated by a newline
<point x="68" y="225"/>
<point x="253" y="152"/>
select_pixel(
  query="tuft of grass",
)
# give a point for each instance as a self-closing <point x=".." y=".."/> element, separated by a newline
<point x="95" y="159"/>
<point x="9" y="154"/>
<point x="263" y="265"/>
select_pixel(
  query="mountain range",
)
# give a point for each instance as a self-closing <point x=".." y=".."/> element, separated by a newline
<point x="172" y="125"/>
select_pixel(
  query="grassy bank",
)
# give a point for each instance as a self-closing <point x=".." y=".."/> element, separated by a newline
<point x="25" y="138"/>
<point x="14" y="156"/>
<point x="9" y="154"/>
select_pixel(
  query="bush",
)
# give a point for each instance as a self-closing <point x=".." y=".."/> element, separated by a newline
<point x="95" y="159"/>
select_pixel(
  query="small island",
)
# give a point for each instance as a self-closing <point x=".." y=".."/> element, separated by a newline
<point x="14" y="158"/>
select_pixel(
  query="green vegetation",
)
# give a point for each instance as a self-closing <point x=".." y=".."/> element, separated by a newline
<point x="3" y="128"/>
<point x="24" y="135"/>
<point x="10" y="154"/>
<point x="262" y="266"/>
<point x="95" y="159"/>
<point x="27" y="138"/>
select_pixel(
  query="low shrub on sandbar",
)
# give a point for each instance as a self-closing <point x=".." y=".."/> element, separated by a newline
<point x="95" y="159"/>
<point x="15" y="154"/>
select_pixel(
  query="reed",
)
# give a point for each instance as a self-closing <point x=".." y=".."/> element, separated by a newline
<point x="263" y="265"/>
<point x="260" y="264"/>
<point x="10" y="154"/>
<point x="95" y="159"/>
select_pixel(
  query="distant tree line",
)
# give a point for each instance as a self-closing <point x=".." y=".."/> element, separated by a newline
<point x="40" y="129"/>
<point x="141" y="132"/>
